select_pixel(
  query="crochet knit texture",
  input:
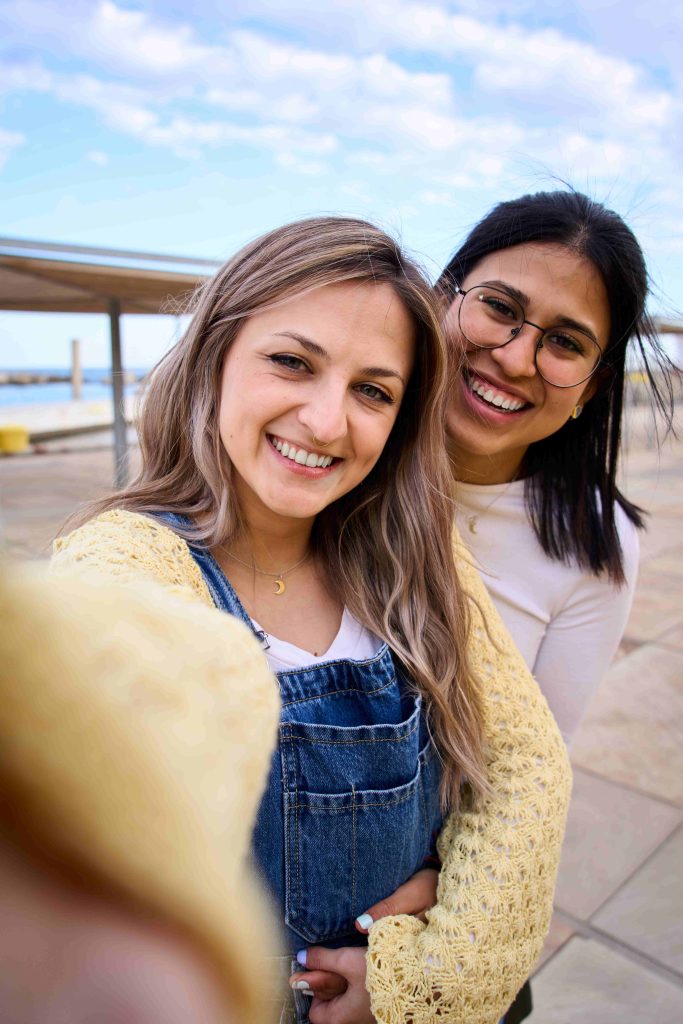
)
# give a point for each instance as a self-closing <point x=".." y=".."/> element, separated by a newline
<point x="500" y="858"/>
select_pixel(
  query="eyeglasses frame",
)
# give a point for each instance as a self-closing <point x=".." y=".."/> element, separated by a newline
<point x="516" y="331"/>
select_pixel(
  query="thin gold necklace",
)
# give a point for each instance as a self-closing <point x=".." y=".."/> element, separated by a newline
<point x="473" y="520"/>
<point x="278" y="577"/>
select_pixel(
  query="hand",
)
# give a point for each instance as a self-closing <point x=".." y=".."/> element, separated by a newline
<point x="415" y="896"/>
<point x="337" y="979"/>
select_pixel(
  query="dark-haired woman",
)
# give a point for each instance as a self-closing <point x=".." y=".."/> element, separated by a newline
<point x="545" y="298"/>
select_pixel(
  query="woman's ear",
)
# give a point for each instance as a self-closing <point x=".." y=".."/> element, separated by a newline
<point x="592" y="387"/>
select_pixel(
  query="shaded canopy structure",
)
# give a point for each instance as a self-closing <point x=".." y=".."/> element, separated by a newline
<point x="45" y="277"/>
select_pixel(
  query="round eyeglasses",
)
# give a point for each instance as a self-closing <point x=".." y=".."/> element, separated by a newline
<point x="491" y="318"/>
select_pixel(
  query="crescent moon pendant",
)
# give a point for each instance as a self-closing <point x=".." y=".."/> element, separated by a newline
<point x="279" y="587"/>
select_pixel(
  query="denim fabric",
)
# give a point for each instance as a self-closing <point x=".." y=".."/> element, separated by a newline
<point x="352" y="800"/>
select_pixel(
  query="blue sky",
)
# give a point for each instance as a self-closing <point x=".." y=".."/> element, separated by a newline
<point x="160" y="127"/>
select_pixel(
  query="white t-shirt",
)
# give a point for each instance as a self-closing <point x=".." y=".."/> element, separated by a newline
<point x="353" y="642"/>
<point x="566" y="622"/>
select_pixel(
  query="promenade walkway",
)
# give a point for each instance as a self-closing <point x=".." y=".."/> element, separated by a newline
<point x="615" y="950"/>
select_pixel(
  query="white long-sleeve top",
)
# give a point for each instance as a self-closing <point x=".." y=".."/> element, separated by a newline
<point x="566" y="621"/>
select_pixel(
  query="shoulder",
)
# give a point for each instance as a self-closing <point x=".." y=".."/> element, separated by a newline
<point x="130" y="546"/>
<point x="490" y="643"/>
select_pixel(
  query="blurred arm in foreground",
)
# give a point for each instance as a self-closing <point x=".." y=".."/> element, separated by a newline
<point x="130" y="780"/>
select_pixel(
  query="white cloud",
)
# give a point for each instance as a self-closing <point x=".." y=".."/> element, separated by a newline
<point x="9" y="141"/>
<point x="495" y="94"/>
<point x="134" y="40"/>
<point x="310" y="168"/>
<point x="547" y="69"/>
<point x="97" y="157"/>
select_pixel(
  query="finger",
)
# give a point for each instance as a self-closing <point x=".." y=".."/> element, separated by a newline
<point x="318" y="958"/>
<point x="413" y="897"/>
<point x="324" y="984"/>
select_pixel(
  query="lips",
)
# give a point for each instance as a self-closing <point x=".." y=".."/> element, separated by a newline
<point x="497" y="398"/>
<point x="301" y="456"/>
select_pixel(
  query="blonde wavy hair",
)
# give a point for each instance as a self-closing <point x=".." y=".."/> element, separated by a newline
<point x="387" y="543"/>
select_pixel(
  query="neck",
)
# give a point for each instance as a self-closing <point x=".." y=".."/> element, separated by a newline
<point x="272" y="543"/>
<point x="473" y="468"/>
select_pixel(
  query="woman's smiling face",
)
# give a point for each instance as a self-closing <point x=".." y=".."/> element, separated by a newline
<point x="488" y="442"/>
<point x="310" y="392"/>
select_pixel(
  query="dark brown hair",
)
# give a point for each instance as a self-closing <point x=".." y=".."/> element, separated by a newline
<point x="571" y="487"/>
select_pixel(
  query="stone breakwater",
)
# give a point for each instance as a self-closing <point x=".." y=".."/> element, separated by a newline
<point x="63" y="419"/>
<point x="23" y="378"/>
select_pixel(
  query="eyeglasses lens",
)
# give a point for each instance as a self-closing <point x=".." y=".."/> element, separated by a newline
<point x="490" y="318"/>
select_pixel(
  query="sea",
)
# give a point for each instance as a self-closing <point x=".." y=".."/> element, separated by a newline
<point x="96" y="385"/>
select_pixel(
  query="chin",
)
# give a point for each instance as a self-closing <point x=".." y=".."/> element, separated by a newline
<point x="295" y="509"/>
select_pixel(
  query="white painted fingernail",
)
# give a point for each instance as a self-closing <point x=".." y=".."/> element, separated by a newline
<point x="303" y="987"/>
<point x="364" y="921"/>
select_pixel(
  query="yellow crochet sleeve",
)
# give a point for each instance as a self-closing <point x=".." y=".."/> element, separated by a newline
<point x="132" y="548"/>
<point x="125" y="754"/>
<point x="500" y="861"/>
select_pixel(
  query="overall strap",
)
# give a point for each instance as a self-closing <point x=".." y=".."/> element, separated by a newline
<point x="219" y="586"/>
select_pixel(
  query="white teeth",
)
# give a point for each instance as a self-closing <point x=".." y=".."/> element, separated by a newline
<point x="493" y="398"/>
<point x="300" y="455"/>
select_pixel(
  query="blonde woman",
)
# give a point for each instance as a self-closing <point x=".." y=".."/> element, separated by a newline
<point x="294" y="476"/>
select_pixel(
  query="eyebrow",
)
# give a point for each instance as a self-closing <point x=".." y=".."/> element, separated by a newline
<point x="524" y="300"/>
<point x="318" y="350"/>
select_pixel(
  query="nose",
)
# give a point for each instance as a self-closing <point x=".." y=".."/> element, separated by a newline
<point x="518" y="357"/>
<point x="324" y="415"/>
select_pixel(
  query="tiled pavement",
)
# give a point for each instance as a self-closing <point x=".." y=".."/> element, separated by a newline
<point x="615" y="950"/>
<point x="617" y="936"/>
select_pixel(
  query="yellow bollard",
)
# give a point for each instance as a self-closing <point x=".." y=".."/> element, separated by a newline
<point x="13" y="439"/>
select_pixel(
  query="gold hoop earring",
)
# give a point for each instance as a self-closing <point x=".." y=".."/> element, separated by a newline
<point x="576" y="411"/>
<point x="319" y="443"/>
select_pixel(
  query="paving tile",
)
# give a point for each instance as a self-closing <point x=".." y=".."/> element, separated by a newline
<point x="669" y="563"/>
<point x="558" y="933"/>
<point x="672" y="638"/>
<point x="647" y="913"/>
<point x="587" y="983"/>
<point x="657" y="606"/>
<point x="662" y="534"/>
<point x="633" y="731"/>
<point x="39" y="492"/>
<point x="625" y="648"/>
<point x="610" y="832"/>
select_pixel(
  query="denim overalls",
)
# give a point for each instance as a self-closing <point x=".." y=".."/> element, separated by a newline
<point x="352" y="801"/>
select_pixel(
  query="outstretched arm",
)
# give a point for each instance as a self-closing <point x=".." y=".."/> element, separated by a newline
<point x="500" y="859"/>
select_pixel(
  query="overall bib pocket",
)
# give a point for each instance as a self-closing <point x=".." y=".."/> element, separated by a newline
<point x="358" y="813"/>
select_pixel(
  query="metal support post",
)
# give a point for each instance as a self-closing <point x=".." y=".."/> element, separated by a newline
<point x="117" y="382"/>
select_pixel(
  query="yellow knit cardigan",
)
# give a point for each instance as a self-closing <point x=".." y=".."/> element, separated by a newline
<point x="482" y="939"/>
